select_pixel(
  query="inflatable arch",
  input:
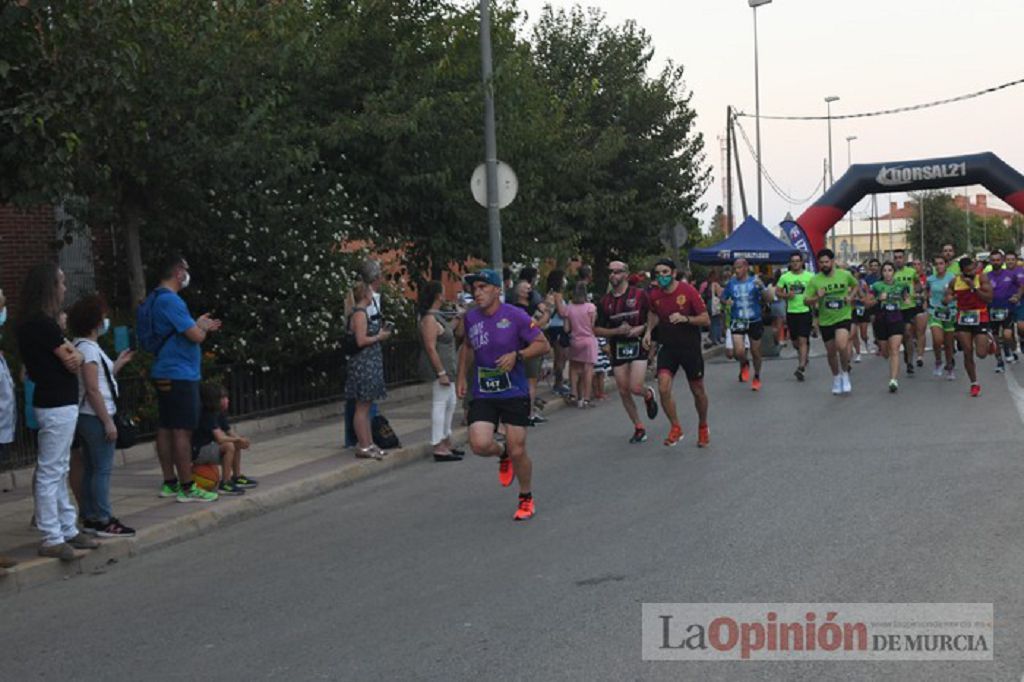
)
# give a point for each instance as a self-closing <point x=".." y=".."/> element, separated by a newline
<point x="810" y="229"/>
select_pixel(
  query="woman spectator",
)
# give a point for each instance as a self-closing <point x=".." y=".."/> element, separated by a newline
<point x="438" y="367"/>
<point x="711" y="292"/>
<point x="557" y="335"/>
<point x="97" y="433"/>
<point x="523" y="298"/>
<point x="8" y="415"/>
<point x="364" y="382"/>
<point x="580" y="314"/>
<point x="53" y="365"/>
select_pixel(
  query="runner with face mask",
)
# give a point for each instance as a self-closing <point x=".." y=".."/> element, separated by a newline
<point x="678" y="312"/>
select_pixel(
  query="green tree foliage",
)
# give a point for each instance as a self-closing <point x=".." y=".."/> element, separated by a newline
<point x="945" y="222"/>
<point x="266" y="141"/>
<point x="635" y="163"/>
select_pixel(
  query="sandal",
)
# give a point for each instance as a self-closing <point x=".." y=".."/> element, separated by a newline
<point x="370" y="452"/>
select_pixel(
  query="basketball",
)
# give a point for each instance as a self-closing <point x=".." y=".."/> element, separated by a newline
<point x="206" y="476"/>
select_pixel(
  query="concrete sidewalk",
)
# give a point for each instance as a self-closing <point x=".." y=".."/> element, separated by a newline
<point x="302" y="460"/>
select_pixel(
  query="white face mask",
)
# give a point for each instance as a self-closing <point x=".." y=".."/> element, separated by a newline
<point x="185" y="282"/>
<point x="105" y="327"/>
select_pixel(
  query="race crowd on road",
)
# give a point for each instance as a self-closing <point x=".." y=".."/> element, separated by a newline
<point x="489" y="350"/>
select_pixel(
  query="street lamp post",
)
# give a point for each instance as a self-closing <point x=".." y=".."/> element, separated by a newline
<point x="754" y="4"/>
<point x="849" y="162"/>
<point x="490" y="136"/>
<point x="828" y="105"/>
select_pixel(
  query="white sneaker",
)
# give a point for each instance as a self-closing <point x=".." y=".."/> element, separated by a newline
<point x="847" y="387"/>
<point x="937" y="372"/>
<point x="857" y="358"/>
<point x="950" y="375"/>
<point x="837" y="385"/>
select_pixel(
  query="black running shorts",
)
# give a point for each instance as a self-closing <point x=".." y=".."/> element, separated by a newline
<point x="800" y="324"/>
<point x="829" y="333"/>
<point x="670" y="359"/>
<point x="510" y="411"/>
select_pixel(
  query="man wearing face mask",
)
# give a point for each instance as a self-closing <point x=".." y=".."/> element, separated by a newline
<point x="678" y="312"/>
<point x="176" y="375"/>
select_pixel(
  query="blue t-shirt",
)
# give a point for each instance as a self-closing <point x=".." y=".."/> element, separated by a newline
<point x="937" y="290"/>
<point x="179" y="358"/>
<point x="745" y="297"/>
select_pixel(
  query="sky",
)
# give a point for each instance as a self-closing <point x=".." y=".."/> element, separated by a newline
<point x="873" y="54"/>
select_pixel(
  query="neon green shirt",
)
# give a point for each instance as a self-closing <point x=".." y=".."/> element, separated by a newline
<point x="796" y="285"/>
<point x="908" y="277"/>
<point x="833" y="307"/>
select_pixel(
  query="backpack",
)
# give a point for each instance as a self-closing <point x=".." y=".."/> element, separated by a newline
<point x="145" y="329"/>
<point x="383" y="435"/>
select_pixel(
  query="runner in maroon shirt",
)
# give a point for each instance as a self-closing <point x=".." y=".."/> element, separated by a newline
<point x="622" y="319"/>
<point x="679" y="312"/>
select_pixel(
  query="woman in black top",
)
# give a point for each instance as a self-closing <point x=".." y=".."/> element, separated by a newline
<point x="52" y="364"/>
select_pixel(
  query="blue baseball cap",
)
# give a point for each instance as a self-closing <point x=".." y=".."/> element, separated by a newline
<point x="488" y="276"/>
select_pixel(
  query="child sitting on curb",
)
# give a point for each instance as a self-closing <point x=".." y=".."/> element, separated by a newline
<point x="215" y="443"/>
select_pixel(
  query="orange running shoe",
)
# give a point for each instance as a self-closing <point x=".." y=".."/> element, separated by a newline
<point x="703" y="436"/>
<point x="975" y="390"/>
<point x="675" y="435"/>
<point x="525" y="510"/>
<point x="506" y="472"/>
<point x="744" y="372"/>
<point x="755" y="385"/>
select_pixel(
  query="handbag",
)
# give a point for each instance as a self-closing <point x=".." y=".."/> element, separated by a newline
<point x="384" y="436"/>
<point x="127" y="427"/>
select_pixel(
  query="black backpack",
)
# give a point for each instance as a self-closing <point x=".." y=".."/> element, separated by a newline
<point x="384" y="436"/>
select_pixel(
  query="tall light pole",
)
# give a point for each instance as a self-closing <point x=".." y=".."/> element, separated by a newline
<point x="754" y="4"/>
<point x="490" y="136"/>
<point x="831" y="180"/>
<point x="849" y="162"/>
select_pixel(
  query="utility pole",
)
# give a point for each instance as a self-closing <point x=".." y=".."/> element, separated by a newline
<point x="490" y="137"/>
<point x="728" y="170"/>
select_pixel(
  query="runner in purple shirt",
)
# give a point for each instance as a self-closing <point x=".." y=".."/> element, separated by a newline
<point x="1007" y="286"/>
<point x="498" y="338"/>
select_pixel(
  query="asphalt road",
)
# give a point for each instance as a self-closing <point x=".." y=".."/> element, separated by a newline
<point x="421" y="574"/>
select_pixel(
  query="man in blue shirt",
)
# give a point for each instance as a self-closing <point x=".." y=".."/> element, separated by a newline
<point x="176" y="374"/>
<point x="745" y="293"/>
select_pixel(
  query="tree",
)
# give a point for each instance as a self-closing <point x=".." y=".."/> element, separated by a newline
<point x="635" y="163"/>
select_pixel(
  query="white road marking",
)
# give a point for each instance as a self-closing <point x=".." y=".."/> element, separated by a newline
<point x="1018" y="399"/>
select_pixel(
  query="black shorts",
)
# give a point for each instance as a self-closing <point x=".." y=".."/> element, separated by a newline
<point x="178" y="403"/>
<point x="860" y="318"/>
<point x="554" y="334"/>
<point x="829" y="333"/>
<point x="754" y="330"/>
<point x="910" y="314"/>
<point x="690" y="359"/>
<point x="613" y="354"/>
<point x="799" y="324"/>
<point x="1006" y="323"/>
<point x="885" y="328"/>
<point x="510" y="411"/>
<point x="975" y="329"/>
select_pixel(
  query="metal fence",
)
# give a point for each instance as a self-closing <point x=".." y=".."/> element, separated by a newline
<point x="253" y="392"/>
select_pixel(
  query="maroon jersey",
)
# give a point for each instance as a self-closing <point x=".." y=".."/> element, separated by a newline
<point x="682" y="299"/>
<point x="630" y="307"/>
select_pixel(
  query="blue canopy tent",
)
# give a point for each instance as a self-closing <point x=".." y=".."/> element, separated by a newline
<point x="752" y="241"/>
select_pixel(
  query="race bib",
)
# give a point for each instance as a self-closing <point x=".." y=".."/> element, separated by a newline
<point x="739" y="326"/>
<point x="890" y="307"/>
<point x="998" y="314"/>
<point x="833" y="305"/>
<point x="969" y="318"/>
<point x="627" y="350"/>
<point x="797" y="289"/>
<point x="943" y="314"/>
<point x="492" y="380"/>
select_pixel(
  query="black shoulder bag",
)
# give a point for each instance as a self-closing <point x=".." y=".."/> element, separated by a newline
<point x="127" y="428"/>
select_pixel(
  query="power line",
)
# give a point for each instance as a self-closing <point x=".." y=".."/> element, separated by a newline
<point x="898" y="110"/>
<point x="771" y="181"/>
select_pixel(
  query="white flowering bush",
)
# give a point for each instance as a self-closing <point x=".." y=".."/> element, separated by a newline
<point x="274" y="270"/>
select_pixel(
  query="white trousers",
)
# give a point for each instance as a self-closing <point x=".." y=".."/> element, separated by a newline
<point x="442" y="412"/>
<point x="56" y="516"/>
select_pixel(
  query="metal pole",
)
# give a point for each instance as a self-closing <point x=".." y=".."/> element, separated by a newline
<point x="739" y="175"/>
<point x="757" y="121"/>
<point x="828" y="104"/>
<point x="922" y="228"/>
<point x="728" y="170"/>
<point x="490" y="137"/>
<point x="967" y="218"/>
<point x="849" y="162"/>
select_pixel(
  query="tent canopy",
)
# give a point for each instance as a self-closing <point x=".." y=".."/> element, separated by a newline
<point x="752" y="241"/>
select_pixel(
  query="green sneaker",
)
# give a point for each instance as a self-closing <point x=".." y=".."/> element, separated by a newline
<point x="170" y="490"/>
<point x="196" y="494"/>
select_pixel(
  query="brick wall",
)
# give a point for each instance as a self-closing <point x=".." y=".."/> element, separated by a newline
<point x="27" y="236"/>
